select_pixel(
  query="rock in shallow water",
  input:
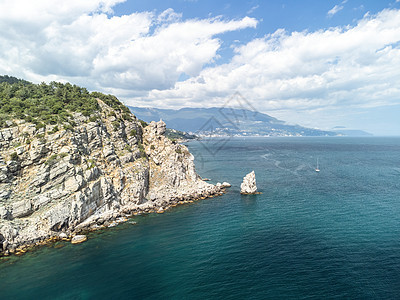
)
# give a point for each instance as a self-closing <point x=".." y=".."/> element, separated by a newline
<point x="79" y="239"/>
<point x="226" y="184"/>
<point x="248" y="185"/>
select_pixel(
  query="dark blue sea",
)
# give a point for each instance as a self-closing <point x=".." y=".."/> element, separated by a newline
<point x="328" y="235"/>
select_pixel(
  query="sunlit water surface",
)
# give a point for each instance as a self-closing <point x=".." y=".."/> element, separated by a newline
<point x="332" y="234"/>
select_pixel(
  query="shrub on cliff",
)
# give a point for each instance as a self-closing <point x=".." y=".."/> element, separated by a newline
<point x="143" y="123"/>
<point x="49" y="103"/>
<point x="14" y="156"/>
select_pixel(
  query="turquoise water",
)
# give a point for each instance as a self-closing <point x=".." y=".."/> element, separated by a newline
<point x="333" y="234"/>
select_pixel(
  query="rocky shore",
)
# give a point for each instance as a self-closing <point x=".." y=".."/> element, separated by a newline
<point x="56" y="183"/>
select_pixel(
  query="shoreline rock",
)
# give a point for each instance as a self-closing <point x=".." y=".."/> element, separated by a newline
<point x="92" y="225"/>
<point x="226" y="184"/>
<point x="78" y="239"/>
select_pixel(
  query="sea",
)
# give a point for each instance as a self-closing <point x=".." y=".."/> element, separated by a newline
<point x="333" y="234"/>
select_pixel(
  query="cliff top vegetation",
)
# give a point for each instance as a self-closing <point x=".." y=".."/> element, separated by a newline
<point x="51" y="103"/>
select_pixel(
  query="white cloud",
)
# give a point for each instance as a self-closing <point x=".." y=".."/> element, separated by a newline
<point x="300" y="74"/>
<point x="335" y="10"/>
<point x="169" y="15"/>
<point x="83" y="42"/>
<point x="156" y="61"/>
<point x="139" y="57"/>
<point x="253" y="9"/>
<point x="42" y="12"/>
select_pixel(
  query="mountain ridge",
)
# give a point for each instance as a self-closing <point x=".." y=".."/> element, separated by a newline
<point x="225" y="121"/>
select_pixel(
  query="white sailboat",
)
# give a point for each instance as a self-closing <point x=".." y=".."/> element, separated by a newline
<point x="317" y="168"/>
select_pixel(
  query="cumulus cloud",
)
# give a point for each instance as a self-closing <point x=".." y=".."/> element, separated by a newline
<point x="169" y="15"/>
<point x="43" y="12"/>
<point x="140" y="57"/>
<point x="82" y="41"/>
<point x="156" y="61"/>
<point x="305" y="72"/>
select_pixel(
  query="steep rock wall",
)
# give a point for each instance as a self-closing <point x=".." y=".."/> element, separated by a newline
<point x="56" y="182"/>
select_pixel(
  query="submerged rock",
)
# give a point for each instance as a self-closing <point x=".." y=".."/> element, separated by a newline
<point x="248" y="185"/>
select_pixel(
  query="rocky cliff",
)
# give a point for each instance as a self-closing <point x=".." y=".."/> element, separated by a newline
<point x="57" y="181"/>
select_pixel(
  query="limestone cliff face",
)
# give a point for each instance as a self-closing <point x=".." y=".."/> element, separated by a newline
<point x="55" y="181"/>
<point x="172" y="173"/>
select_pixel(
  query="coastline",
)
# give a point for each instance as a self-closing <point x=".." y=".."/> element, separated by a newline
<point x="104" y="221"/>
<point x="64" y="182"/>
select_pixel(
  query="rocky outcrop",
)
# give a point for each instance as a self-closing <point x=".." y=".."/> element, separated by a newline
<point x="78" y="239"/>
<point x="56" y="182"/>
<point x="226" y="184"/>
<point x="248" y="185"/>
<point x="172" y="174"/>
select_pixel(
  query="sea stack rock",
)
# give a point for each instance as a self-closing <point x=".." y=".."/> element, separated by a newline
<point x="248" y="185"/>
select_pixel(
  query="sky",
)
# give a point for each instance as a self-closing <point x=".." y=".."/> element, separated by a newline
<point x="319" y="64"/>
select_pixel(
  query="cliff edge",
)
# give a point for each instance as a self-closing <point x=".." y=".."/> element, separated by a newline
<point x="57" y="180"/>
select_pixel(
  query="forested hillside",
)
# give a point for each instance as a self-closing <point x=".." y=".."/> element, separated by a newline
<point x="50" y="103"/>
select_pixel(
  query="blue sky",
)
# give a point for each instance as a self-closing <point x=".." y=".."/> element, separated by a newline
<point x="291" y="15"/>
<point x="315" y="63"/>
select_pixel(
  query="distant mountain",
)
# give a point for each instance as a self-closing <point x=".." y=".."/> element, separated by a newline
<point x="225" y="121"/>
<point x="349" y="132"/>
